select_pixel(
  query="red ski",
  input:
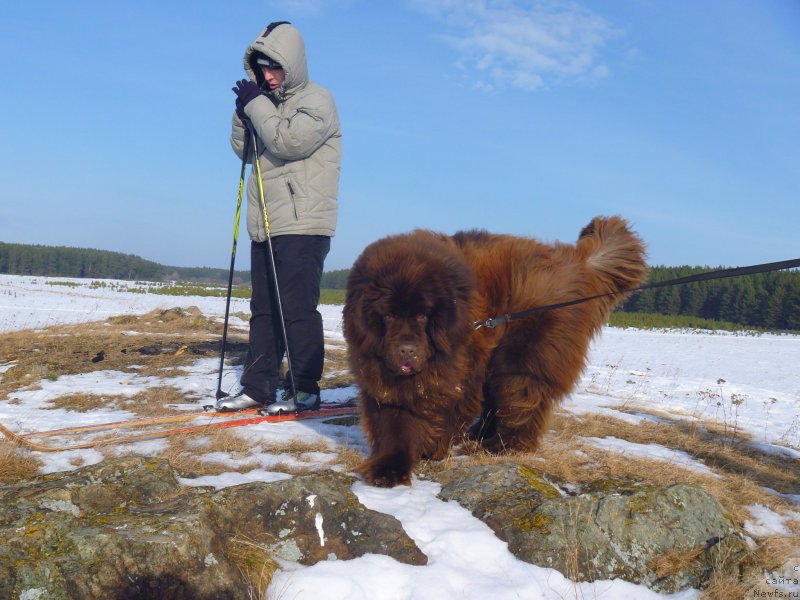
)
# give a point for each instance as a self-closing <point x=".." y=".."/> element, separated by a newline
<point x="216" y="420"/>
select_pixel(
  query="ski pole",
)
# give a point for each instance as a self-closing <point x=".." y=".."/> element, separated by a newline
<point x="246" y="150"/>
<point x="257" y="166"/>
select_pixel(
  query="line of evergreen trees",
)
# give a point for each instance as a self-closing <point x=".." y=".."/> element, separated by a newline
<point x="335" y="280"/>
<point x="768" y="300"/>
<point x="62" y="261"/>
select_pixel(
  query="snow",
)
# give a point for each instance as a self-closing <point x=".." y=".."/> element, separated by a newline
<point x="746" y="382"/>
<point x="766" y="522"/>
<point x="465" y="560"/>
<point x="651" y="451"/>
<point x="697" y="376"/>
<point x="31" y="302"/>
<point x="228" y="479"/>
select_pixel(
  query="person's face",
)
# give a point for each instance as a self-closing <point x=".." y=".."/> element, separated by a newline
<point x="273" y="77"/>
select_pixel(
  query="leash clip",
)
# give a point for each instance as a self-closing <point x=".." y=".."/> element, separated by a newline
<point x="490" y="323"/>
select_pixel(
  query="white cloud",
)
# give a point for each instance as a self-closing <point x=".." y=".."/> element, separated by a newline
<point x="524" y="44"/>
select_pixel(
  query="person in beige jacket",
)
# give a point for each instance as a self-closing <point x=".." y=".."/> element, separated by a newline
<point x="298" y="145"/>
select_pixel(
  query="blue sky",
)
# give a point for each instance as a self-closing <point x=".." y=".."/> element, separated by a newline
<point x="524" y="117"/>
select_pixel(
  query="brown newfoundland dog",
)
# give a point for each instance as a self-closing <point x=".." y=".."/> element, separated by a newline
<point x="427" y="377"/>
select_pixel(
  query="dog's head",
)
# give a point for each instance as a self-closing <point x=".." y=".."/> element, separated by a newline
<point x="408" y="302"/>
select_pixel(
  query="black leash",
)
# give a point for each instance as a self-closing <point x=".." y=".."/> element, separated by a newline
<point x="493" y="322"/>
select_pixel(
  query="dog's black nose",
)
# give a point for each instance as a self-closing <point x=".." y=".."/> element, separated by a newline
<point x="408" y="351"/>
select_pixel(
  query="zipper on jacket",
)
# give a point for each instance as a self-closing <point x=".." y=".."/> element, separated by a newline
<point x="291" y="195"/>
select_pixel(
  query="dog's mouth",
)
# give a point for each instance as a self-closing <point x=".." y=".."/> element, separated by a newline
<point x="405" y="359"/>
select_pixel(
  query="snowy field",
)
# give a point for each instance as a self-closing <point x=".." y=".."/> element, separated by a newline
<point x="746" y="381"/>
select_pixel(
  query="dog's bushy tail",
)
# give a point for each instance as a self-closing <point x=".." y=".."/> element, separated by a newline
<point x="614" y="254"/>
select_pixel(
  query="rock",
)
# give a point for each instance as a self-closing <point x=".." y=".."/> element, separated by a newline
<point x="176" y="312"/>
<point x="127" y="529"/>
<point x="199" y="348"/>
<point x="667" y="538"/>
<point x="121" y="529"/>
<point x="311" y="518"/>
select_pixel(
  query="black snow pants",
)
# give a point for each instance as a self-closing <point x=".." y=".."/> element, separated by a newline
<point x="298" y="262"/>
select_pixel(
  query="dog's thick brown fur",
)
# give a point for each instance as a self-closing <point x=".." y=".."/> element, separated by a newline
<point x="426" y="375"/>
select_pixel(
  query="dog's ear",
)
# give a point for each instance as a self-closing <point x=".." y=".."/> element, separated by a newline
<point x="362" y="323"/>
<point x="354" y="318"/>
<point x="449" y="323"/>
<point x="449" y="326"/>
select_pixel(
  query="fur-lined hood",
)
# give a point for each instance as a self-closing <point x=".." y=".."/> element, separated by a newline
<point x="284" y="44"/>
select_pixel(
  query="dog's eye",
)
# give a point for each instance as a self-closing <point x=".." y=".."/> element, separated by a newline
<point x="422" y="318"/>
<point x="389" y="318"/>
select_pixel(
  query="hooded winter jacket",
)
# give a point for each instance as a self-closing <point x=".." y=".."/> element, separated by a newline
<point x="299" y="143"/>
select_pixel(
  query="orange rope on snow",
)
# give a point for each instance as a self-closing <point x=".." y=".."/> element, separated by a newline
<point x="140" y="422"/>
<point x="150" y="435"/>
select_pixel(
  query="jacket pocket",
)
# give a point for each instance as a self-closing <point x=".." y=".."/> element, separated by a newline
<point x="292" y="197"/>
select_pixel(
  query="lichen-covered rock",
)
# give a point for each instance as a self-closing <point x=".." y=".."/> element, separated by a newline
<point x="667" y="538"/>
<point x="311" y="518"/>
<point x="127" y="529"/>
<point x="121" y="529"/>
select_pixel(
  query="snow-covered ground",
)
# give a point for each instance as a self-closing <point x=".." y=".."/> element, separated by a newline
<point x="743" y="381"/>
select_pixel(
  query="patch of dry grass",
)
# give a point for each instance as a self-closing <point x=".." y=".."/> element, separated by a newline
<point x="298" y="451"/>
<point x="744" y="470"/>
<point x="337" y="368"/>
<point x="152" y="402"/>
<point x="296" y="447"/>
<point x="771" y="555"/>
<point x="186" y="453"/>
<point x="672" y="561"/>
<point x="254" y="560"/>
<point x="349" y="458"/>
<point x="158" y="343"/>
<point x="16" y="463"/>
<point x="82" y="403"/>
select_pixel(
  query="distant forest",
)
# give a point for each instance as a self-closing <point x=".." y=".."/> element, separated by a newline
<point x="61" y="261"/>
<point x="768" y="300"/>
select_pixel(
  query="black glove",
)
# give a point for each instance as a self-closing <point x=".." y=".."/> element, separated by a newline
<point x="245" y="91"/>
<point x="240" y="110"/>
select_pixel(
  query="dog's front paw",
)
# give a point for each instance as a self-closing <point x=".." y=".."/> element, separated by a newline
<point x="493" y="444"/>
<point x="387" y="471"/>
